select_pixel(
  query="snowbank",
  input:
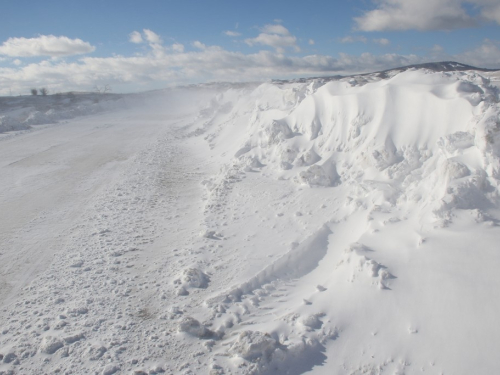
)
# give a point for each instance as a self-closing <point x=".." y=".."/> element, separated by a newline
<point x="395" y="159"/>
<point x="429" y="135"/>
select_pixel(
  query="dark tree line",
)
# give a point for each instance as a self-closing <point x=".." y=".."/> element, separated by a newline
<point x="43" y="91"/>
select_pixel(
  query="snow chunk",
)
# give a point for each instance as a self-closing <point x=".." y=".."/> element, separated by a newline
<point x="316" y="175"/>
<point x="454" y="170"/>
<point x="50" y="345"/>
<point x="252" y="345"/>
<point x="287" y="157"/>
<point x="312" y="321"/>
<point x="110" y="369"/>
<point x="81" y="310"/>
<point x="77" y="263"/>
<point x="95" y="352"/>
<point x="308" y="158"/>
<point x="387" y="156"/>
<point x="194" y="278"/>
<point x="456" y="141"/>
<point x="211" y="234"/>
<point x="278" y="131"/>
<point x="194" y="328"/>
<point x="73" y="338"/>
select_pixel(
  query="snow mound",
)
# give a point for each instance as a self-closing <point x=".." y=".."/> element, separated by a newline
<point x="352" y="166"/>
<point x="343" y="135"/>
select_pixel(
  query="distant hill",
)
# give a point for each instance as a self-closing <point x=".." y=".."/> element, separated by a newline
<point x="443" y="66"/>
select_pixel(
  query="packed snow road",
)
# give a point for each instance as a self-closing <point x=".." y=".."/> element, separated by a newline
<point x="50" y="176"/>
<point x="90" y="211"/>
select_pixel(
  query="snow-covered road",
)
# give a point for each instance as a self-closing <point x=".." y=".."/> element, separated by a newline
<point x="50" y="176"/>
<point x="90" y="210"/>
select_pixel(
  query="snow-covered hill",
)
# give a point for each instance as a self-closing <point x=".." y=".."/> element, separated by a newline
<point x="347" y="226"/>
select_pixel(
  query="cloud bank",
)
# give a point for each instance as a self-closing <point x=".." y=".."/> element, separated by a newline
<point x="172" y="65"/>
<point x="159" y="64"/>
<point x="276" y="36"/>
<point x="45" y="45"/>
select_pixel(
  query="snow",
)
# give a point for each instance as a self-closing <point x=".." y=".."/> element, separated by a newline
<point x="346" y="226"/>
<point x="21" y="113"/>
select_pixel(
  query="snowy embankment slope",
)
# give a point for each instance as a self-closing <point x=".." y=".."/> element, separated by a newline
<point x="347" y="227"/>
<point x="400" y="177"/>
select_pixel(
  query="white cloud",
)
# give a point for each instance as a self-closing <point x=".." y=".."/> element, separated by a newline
<point x="152" y="37"/>
<point x="486" y="55"/>
<point x="154" y="42"/>
<point x="135" y="37"/>
<point x="415" y="14"/>
<point x="17" y="62"/>
<point x="177" y="47"/>
<point x="311" y="42"/>
<point x="199" y="45"/>
<point x="353" y="39"/>
<point x="437" y="48"/>
<point x="232" y="33"/>
<point x="426" y="15"/>
<point x="276" y="36"/>
<point x="382" y="41"/>
<point x="45" y="45"/>
<point x="490" y="10"/>
<point x="275" y="29"/>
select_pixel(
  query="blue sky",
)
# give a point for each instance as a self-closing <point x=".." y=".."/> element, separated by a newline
<point x="130" y="45"/>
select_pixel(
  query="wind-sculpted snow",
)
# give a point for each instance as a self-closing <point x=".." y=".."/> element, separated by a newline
<point x="408" y="131"/>
<point x="294" y="264"/>
<point x="345" y="226"/>
<point x="396" y="160"/>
